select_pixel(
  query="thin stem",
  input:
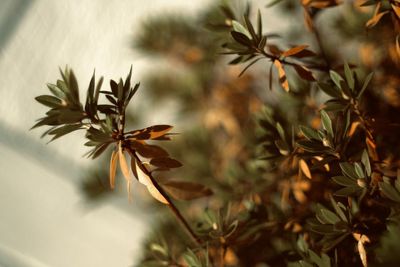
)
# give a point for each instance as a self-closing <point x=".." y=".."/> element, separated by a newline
<point x="171" y="205"/>
<point x="285" y="62"/>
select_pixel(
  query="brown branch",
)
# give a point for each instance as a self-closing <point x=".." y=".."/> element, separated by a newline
<point x="171" y="205"/>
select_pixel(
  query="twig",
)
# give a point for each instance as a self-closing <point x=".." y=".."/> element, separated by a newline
<point x="171" y="205"/>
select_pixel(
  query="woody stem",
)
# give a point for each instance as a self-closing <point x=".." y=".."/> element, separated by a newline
<point x="171" y="205"/>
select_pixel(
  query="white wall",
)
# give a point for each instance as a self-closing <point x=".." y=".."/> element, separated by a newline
<point x="43" y="221"/>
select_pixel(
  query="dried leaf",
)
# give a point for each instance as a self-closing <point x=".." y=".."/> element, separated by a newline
<point x="122" y="163"/>
<point x="282" y="75"/>
<point x="294" y="50"/>
<point x="398" y="45"/>
<point x="165" y="162"/>
<point x="113" y="168"/>
<point x="305" y="169"/>
<point x="156" y="194"/>
<point x="396" y="10"/>
<point x="142" y="175"/>
<point x="152" y="132"/>
<point x="362" y="239"/>
<point x="148" y="151"/>
<point x="304" y="73"/>
<point x="186" y="190"/>
<point x="376" y="17"/>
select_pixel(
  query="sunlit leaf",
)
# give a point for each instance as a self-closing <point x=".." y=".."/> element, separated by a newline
<point x="305" y="169"/>
<point x="156" y="194"/>
<point x="282" y="75"/>
<point x="294" y="50"/>
<point x="113" y="167"/>
<point x="123" y="164"/>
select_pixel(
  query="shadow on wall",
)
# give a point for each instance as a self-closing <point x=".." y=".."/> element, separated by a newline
<point x="11" y="13"/>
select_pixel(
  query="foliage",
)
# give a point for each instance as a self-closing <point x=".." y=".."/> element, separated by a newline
<point x="304" y="176"/>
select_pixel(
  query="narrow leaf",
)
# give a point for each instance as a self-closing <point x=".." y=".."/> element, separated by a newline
<point x="113" y="168"/>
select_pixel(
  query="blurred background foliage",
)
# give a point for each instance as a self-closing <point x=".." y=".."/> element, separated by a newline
<point x="239" y="137"/>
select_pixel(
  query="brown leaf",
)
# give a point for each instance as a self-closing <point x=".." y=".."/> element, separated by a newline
<point x="122" y="163"/>
<point x="113" y="168"/>
<point x="148" y="151"/>
<point x="186" y="190"/>
<point x="282" y="75"/>
<point x="142" y="176"/>
<point x="396" y="10"/>
<point x="397" y="45"/>
<point x="305" y="169"/>
<point x="152" y="132"/>
<point x="362" y="239"/>
<point x="165" y="163"/>
<point x="377" y="16"/>
<point x="133" y="167"/>
<point x="294" y="50"/>
<point x="274" y="49"/>
<point x="156" y="194"/>
<point x="304" y="73"/>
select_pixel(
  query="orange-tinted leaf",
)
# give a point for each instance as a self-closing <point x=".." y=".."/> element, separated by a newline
<point x="397" y="45"/>
<point x="122" y="163"/>
<point x="165" y="163"/>
<point x="304" y="73"/>
<point x="294" y="50"/>
<point x="376" y="17"/>
<point x="113" y="168"/>
<point x="186" y="190"/>
<point x="156" y="194"/>
<point x="396" y="10"/>
<point x="282" y="75"/>
<point x="142" y="176"/>
<point x="152" y="132"/>
<point x="305" y="169"/>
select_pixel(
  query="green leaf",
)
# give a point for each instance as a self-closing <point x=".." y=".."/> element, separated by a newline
<point x="73" y="86"/>
<point x="349" y="76"/>
<point x="329" y="216"/>
<point x="389" y="191"/>
<point x="309" y="133"/>
<point x="347" y="191"/>
<point x="365" y="85"/>
<point x="329" y="90"/>
<point x="359" y="170"/>
<point x="326" y="123"/>
<point x="338" y="210"/>
<point x="191" y="259"/>
<point x="63" y="130"/>
<point x="237" y="27"/>
<point x="348" y="169"/>
<point x="366" y="163"/>
<point x="49" y="101"/>
<point x="336" y="78"/>
<point x="241" y="38"/>
<point x="345" y="181"/>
